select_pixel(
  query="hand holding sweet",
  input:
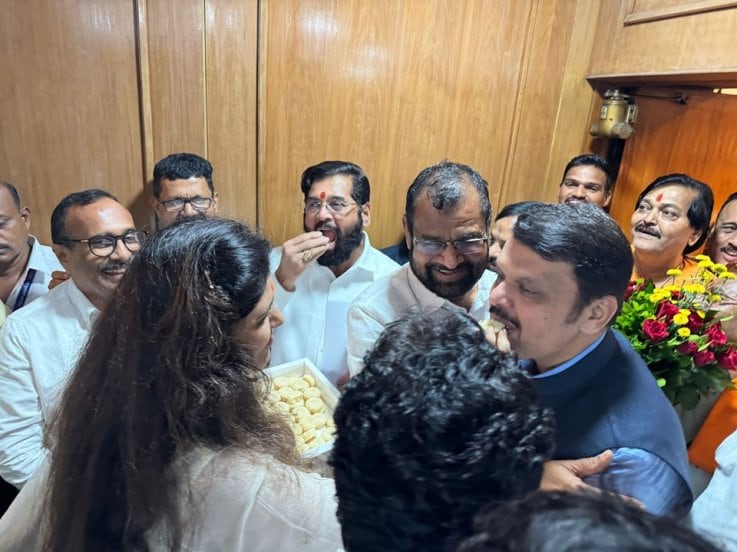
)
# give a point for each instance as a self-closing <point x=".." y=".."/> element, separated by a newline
<point x="296" y="253"/>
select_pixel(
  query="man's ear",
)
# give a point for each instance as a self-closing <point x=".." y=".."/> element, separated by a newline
<point x="407" y="232"/>
<point x="607" y="199"/>
<point x="694" y="236"/>
<point x="366" y="214"/>
<point x="598" y="314"/>
<point x="25" y="214"/>
<point x="62" y="253"/>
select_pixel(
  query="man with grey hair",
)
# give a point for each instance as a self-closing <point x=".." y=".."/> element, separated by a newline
<point x="446" y="228"/>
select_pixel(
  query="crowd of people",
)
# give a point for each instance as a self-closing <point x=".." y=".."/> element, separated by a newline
<point x="485" y="404"/>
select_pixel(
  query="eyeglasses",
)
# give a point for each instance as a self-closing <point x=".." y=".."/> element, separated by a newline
<point x="177" y="204"/>
<point x="335" y="206"/>
<point x="104" y="245"/>
<point x="472" y="246"/>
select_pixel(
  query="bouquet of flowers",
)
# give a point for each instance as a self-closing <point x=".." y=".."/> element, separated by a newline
<point x="677" y="331"/>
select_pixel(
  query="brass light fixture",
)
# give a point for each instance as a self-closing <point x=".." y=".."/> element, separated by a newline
<point x="617" y="116"/>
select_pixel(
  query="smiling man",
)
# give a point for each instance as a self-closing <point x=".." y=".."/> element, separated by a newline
<point x="671" y="220"/>
<point x="321" y="271"/>
<point x="94" y="238"/>
<point x="722" y="243"/>
<point x="587" y="178"/>
<point x="446" y="227"/>
<point x="562" y="279"/>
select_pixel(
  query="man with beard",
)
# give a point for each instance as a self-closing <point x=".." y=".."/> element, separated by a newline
<point x="671" y="220"/>
<point x="587" y="178"/>
<point x="562" y="279"/>
<point x="94" y="238"/>
<point x="320" y="272"/>
<point x="446" y="227"/>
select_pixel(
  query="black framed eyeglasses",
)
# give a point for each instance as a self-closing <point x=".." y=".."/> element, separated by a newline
<point x="103" y="245"/>
<point x="472" y="246"/>
<point x="335" y="206"/>
<point x="198" y="203"/>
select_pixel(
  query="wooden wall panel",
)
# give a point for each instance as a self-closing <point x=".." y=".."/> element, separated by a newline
<point x="697" y="43"/>
<point x="175" y="43"/>
<point x="551" y="115"/>
<point x="232" y="71"/>
<point x="697" y="139"/>
<point x="69" y="116"/>
<point x="393" y="86"/>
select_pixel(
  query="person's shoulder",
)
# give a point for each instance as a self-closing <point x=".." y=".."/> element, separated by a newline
<point x="44" y="255"/>
<point x="381" y="264"/>
<point x="383" y="287"/>
<point x="38" y="309"/>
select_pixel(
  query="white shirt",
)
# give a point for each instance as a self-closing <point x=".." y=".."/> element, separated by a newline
<point x="244" y="502"/>
<point x="715" y="511"/>
<point x="315" y="312"/>
<point x="44" y="262"/>
<point x="39" y="347"/>
<point x="389" y="298"/>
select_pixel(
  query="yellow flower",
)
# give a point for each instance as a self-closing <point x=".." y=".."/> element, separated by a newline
<point x="706" y="263"/>
<point x="701" y="314"/>
<point x="684" y="311"/>
<point x="727" y="275"/>
<point x="683" y="332"/>
<point x="671" y="288"/>
<point x="719" y="267"/>
<point x="702" y="258"/>
<point x="680" y="319"/>
<point x="694" y="288"/>
<point x="715" y="298"/>
<point x="674" y="272"/>
<point x="707" y="276"/>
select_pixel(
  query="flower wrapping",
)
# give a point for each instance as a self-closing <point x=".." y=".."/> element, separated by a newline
<point x="677" y="331"/>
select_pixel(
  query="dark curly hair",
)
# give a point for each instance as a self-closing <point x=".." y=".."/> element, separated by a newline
<point x="565" y="522"/>
<point x="438" y="424"/>
<point x="160" y="375"/>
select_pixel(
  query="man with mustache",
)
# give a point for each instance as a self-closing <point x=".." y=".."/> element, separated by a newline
<point x="320" y="272"/>
<point x="722" y="243"/>
<point x="25" y="264"/>
<point x="671" y="220"/>
<point x="587" y="178"/>
<point x="94" y="238"/>
<point x="182" y="187"/>
<point x="446" y="227"/>
<point x="562" y="279"/>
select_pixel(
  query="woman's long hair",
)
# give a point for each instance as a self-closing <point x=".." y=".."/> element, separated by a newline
<point x="160" y="375"/>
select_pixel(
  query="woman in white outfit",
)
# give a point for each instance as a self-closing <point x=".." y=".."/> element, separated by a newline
<point x="162" y="440"/>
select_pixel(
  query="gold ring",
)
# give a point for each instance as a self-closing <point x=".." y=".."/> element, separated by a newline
<point x="307" y="256"/>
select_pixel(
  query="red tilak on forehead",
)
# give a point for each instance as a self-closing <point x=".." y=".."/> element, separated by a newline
<point x="658" y="197"/>
<point x="322" y="195"/>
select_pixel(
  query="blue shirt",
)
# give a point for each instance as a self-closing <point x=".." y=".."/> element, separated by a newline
<point x="634" y="472"/>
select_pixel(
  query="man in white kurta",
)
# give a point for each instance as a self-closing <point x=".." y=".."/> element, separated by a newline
<point x="94" y="238"/>
<point x="446" y="226"/>
<point x="315" y="312"/>
<point x="319" y="273"/>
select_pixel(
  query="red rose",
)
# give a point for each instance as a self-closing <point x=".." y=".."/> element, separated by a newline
<point x="687" y="348"/>
<point x="694" y="322"/>
<point x="630" y="289"/>
<point x="716" y="335"/>
<point x="728" y="360"/>
<point x="655" y="330"/>
<point x="666" y="310"/>
<point x="703" y="357"/>
<point x="676" y="295"/>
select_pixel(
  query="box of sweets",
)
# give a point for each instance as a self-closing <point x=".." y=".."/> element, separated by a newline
<point x="300" y="392"/>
